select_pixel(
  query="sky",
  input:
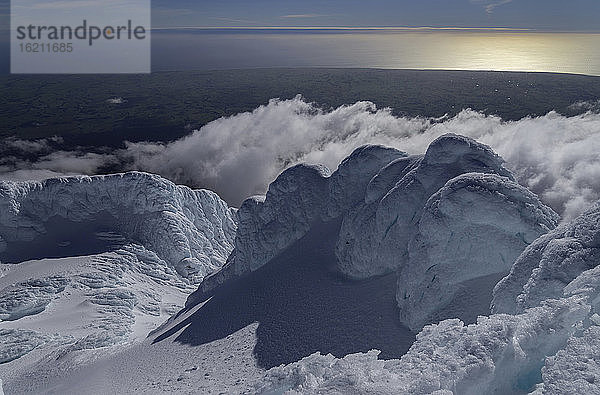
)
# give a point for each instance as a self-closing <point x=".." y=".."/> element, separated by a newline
<point x="544" y="15"/>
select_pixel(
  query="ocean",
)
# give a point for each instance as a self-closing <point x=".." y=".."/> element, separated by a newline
<point x="205" y="49"/>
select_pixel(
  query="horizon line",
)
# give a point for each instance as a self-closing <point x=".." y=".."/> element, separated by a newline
<point x="342" y="28"/>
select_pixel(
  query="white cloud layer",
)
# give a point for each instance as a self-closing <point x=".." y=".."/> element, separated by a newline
<point x="555" y="156"/>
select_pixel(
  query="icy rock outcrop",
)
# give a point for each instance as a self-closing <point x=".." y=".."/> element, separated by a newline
<point x="549" y="264"/>
<point x="374" y="237"/>
<point x="500" y="354"/>
<point x="192" y="230"/>
<point x="474" y="226"/>
<point x="295" y="201"/>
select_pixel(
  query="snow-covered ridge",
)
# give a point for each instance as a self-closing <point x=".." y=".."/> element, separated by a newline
<point x="300" y="196"/>
<point x="375" y="235"/>
<point x="192" y="230"/>
<point x="419" y="216"/>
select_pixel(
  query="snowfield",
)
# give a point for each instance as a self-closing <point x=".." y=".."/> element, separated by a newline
<point x="93" y="262"/>
<point x="423" y="274"/>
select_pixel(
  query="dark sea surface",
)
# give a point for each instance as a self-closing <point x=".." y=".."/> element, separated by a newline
<point x="202" y="49"/>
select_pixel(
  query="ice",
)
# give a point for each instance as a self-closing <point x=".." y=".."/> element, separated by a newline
<point x="192" y="230"/>
<point x="500" y="354"/>
<point x="576" y="369"/>
<point x="549" y="264"/>
<point x="297" y="199"/>
<point x="348" y="184"/>
<point x="126" y="251"/>
<point x="29" y="297"/>
<point x="374" y="236"/>
<point x="16" y="343"/>
<point x="473" y="227"/>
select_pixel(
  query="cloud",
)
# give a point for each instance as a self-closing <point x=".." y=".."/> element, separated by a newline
<point x="232" y="20"/>
<point x="302" y="16"/>
<point x="69" y="162"/>
<point x="489" y="5"/>
<point x="557" y="157"/>
<point x="54" y="164"/>
<point x="593" y="106"/>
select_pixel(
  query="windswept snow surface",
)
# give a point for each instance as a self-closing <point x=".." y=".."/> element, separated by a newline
<point x="92" y="262"/>
<point x="500" y="354"/>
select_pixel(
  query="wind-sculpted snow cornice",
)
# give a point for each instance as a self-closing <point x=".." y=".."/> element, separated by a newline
<point x="192" y="230"/>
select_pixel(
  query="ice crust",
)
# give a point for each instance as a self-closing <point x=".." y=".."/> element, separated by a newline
<point x="29" y="297"/>
<point x="16" y="343"/>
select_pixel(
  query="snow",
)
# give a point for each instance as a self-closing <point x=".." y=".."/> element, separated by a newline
<point x="306" y="295"/>
<point x="29" y="297"/>
<point x="16" y="343"/>
<point x="576" y="368"/>
<point x="549" y="264"/>
<point x="95" y="262"/>
<point x="297" y="199"/>
<point x="191" y="230"/>
<point x="499" y="354"/>
<point x="374" y="237"/>
<point x="473" y="227"/>
<point x="347" y="185"/>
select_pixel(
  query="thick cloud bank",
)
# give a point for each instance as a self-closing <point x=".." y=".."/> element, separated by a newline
<point x="555" y="156"/>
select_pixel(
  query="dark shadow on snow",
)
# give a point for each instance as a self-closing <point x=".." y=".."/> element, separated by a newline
<point x="302" y="306"/>
<point x="64" y="238"/>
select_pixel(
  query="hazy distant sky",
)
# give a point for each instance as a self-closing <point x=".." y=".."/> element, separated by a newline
<point x="554" y="15"/>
